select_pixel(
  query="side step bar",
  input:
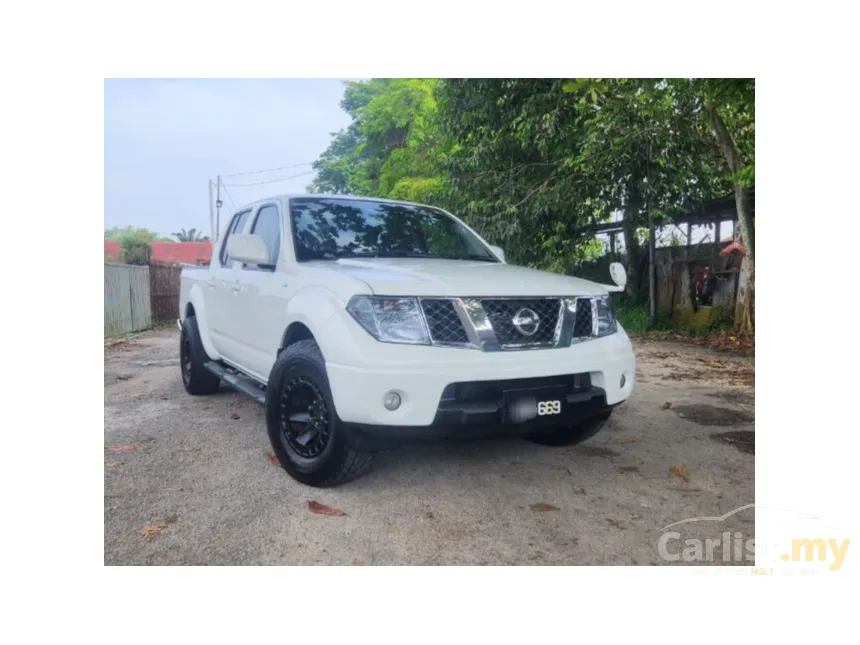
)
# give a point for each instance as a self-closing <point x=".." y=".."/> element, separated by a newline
<point x="242" y="383"/>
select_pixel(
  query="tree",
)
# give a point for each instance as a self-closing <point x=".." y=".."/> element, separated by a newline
<point x="534" y="163"/>
<point x="513" y="144"/>
<point x="729" y="106"/>
<point x="191" y="235"/>
<point x="134" y="234"/>
<point x="391" y="148"/>
<point x="542" y="160"/>
<point x="136" y="252"/>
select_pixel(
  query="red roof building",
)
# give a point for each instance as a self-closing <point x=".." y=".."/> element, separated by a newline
<point x="181" y="252"/>
<point x="169" y="252"/>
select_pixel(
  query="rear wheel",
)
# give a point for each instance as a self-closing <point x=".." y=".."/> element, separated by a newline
<point x="192" y="357"/>
<point x="571" y="435"/>
<point x="306" y="434"/>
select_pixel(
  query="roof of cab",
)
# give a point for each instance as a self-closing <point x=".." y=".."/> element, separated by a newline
<point x="286" y="196"/>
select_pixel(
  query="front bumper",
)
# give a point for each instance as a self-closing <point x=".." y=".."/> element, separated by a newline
<point x="420" y="375"/>
<point x="501" y="408"/>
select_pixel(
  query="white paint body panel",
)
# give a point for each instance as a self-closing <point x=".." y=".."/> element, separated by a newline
<point x="243" y="315"/>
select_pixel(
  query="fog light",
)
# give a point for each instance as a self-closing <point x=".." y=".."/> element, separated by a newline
<point x="391" y="401"/>
<point x="623" y="379"/>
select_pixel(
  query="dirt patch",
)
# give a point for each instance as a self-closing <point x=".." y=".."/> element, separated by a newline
<point x="743" y="440"/>
<point x="596" y="451"/>
<point x="739" y="397"/>
<point x="711" y="415"/>
<point x="463" y="503"/>
<point x="704" y="364"/>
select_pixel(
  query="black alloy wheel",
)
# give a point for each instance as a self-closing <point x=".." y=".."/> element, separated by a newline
<point x="307" y="435"/>
<point x="304" y="418"/>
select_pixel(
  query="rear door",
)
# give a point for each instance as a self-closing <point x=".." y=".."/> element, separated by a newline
<point x="223" y="292"/>
<point x="262" y="296"/>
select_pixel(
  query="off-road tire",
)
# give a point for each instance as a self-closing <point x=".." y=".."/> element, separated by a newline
<point x="192" y="357"/>
<point x="570" y="436"/>
<point x="338" y="462"/>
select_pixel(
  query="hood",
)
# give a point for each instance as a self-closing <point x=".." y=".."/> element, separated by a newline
<point x="428" y="277"/>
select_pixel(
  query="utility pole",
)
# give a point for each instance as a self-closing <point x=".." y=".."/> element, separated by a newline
<point x="218" y="205"/>
<point x="213" y="229"/>
<point x="652" y="265"/>
<point x="652" y="248"/>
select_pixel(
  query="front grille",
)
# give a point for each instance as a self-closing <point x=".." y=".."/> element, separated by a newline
<point x="582" y="323"/>
<point x="444" y="323"/>
<point x="478" y="391"/>
<point x="502" y="312"/>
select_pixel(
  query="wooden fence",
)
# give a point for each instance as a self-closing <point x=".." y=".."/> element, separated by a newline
<point x="676" y="265"/>
<point x="127" y="299"/>
<point x="164" y="286"/>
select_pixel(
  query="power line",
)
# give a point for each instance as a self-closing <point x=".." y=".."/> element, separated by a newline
<point x="230" y="197"/>
<point x="270" y="181"/>
<point x="258" y="172"/>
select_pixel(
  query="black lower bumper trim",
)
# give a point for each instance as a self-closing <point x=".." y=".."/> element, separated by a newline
<point x="480" y="419"/>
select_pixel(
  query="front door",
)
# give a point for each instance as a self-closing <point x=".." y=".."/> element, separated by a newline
<point x="262" y="288"/>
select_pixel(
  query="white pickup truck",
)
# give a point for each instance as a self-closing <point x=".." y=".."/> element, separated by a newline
<point x="365" y="323"/>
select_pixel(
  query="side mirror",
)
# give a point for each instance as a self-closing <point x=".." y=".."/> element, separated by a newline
<point x="618" y="274"/>
<point x="498" y="252"/>
<point x="251" y="249"/>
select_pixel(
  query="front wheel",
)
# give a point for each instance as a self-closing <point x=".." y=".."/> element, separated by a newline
<point x="570" y="435"/>
<point x="306" y="434"/>
<point x="192" y="358"/>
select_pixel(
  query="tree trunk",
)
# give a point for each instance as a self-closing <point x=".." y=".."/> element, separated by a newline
<point x="745" y="308"/>
<point x="631" y="242"/>
<point x="634" y="254"/>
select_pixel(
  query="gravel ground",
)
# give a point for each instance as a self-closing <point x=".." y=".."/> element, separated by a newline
<point x="189" y="480"/>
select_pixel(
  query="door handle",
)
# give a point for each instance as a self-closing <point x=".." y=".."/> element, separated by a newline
<point x="235" y="287"/>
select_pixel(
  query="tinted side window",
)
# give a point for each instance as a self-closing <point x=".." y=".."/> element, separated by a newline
<point x="237" y="224"/>
<point x="268" y="226"/>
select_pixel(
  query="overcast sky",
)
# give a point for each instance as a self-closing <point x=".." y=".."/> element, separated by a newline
<point x="164" y="139"/>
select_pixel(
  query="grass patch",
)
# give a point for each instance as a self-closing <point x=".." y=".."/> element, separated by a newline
<point x="635" y="319"/>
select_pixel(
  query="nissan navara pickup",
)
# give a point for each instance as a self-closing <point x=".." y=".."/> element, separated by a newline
<point x="362" y="324"/>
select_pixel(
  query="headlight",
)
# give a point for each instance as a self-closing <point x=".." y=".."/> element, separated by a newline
<point x="390" y="320"/>
<point x="605" y="318"/>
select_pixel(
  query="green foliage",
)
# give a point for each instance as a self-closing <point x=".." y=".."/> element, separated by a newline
<point x="391" y="149"/>
<point x="734" y="99"/>
<point x="540" y="160"/>
<point x="191" y="235"/>
<point x="531" y="163"/>
<point x="135" y="251"/>
<point x="635" y="319"/>
<point x="130" y="234"/>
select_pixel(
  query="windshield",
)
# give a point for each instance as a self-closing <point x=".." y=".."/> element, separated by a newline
<point x="330" y="228"/>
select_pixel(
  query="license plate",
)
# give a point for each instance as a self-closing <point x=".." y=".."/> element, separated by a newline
<point x="523" y="405"/>
<point x="546" y="408"/>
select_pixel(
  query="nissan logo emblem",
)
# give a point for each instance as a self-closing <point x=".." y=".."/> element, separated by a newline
<point x="526" y="321"/>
